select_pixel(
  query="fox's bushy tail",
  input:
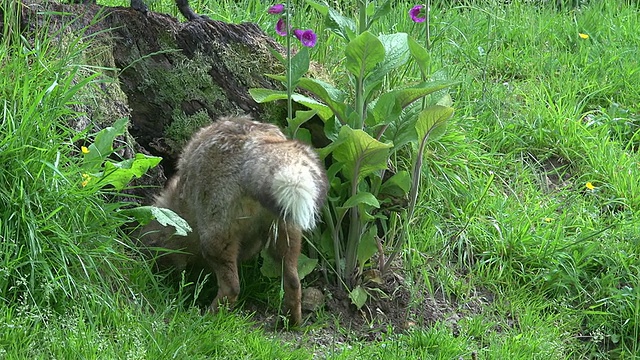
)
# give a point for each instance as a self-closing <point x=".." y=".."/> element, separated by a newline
<point x="299" y="192"/>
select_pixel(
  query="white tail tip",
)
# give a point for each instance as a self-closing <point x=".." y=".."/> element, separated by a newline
<point x="296" y="193"/>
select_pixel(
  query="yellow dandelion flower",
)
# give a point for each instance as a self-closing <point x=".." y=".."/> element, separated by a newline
<point x="583" y="36"/>
<point x="86" y="178"/>
<point x="548" y="219"/>
<point x="589" y="185"/>
<point x="85" y="150"/>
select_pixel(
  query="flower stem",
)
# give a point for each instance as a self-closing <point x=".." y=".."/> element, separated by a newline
<point x="289" y="65"/>
<point x="427" y="45"/>
<point x="362" y="22"/>
<point x="427" y="26"/>
<point x="360" y="101"/>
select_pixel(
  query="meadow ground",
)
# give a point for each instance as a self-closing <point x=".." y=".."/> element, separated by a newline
<point x="525" y="243"/>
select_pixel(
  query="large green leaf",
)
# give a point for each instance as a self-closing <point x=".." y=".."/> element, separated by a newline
<point x="398" y="185"/>
<point x="119" y="174"/>
<point x="420" y="55"/>
<point x="323" y="110"/>
<point x="390" y="105"/>
<point x="402" y="130"/>
<point x="166" y="217"/>
<point x="261" y="95"/>
<point x="332" y="128"/>
<point x="385" y="109"/>
<point x="360" y="153"/>
<point x="299" y="65"/>
<point x="102" y="145"/>
<point x="325" y="91"/>
<point x="320" y="7"/>
<point x="363" y="54"/>
<point x="380" y="11"/>
<point x="432" y="121"/>
<point x="362" y="198"/>
<point x="333" y="97"/>
<point x="409" y="95"/>
<point x="396" y="55"/>
<point x="300" y="118"/>
<point x="358" y="296"/>
<point x="326" y="244"/>
<point x="396" y="48"/>
<point x="343" y="26"/>
<point x="367" y="246"/>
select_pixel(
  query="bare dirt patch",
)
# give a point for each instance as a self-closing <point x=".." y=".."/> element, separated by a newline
<point x="393" y="307"/>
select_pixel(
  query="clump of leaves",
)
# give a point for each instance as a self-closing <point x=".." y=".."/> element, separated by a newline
<point x="368" y="126"/>
<point x="98" y="170"/>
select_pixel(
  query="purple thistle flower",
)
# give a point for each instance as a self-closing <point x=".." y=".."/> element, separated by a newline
<point x="307" y="37"/>
<point x="276" y="9"/>
<point x="280" y="28"/>
<point x="417" y="14"/>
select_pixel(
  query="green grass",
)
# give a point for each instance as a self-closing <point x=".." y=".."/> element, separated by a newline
<point x="560" y="261"/>
<point x="88" y="331"/>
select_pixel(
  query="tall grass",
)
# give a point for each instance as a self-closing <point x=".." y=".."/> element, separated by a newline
<point x="57" y="239"/>
<point x="71" y="285"/>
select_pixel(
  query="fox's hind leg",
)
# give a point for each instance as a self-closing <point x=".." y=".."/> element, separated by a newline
<point x="285" y="250"/>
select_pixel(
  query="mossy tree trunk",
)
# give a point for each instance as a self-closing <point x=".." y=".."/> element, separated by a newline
<point x="168" y="77"/>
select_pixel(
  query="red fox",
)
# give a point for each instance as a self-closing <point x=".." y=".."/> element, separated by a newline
<point x="242" y="185"/>
<point x="183" y="6"/>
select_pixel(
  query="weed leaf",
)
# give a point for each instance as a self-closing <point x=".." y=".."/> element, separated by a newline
<point x="420" y="55"/>
<point x="358" y="296"/>
<point x="119" y="174"/>
<point x="367" y="246"/>
<point x="363" y="54"/>
<point x="360" y="153"/>
<point x="398" y="185"/>
<point x="166" y="217"/>
<point x="396" y="49"/>
<point x="299" y="65"/>
<point x="341" y="25"/>
<point x="432" y="121"/>
<point x="362" y="198"/>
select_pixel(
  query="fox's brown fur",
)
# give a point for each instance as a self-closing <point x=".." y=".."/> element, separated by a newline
<point x="239" y="182"/>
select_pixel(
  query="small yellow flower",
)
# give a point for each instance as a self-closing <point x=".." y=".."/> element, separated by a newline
<point x="86" y="178"/>
<point x="589" y="185"/>
<point x="583" y="36"/>
<point x="548" y="219"/>
<point x="85" y="150"/>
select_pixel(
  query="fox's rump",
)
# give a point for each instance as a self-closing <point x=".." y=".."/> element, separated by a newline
<point x="287" y="177"/>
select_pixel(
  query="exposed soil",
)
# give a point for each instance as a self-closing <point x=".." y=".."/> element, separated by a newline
<point x="554" y="172"/>
<point x="393" y="307"/>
